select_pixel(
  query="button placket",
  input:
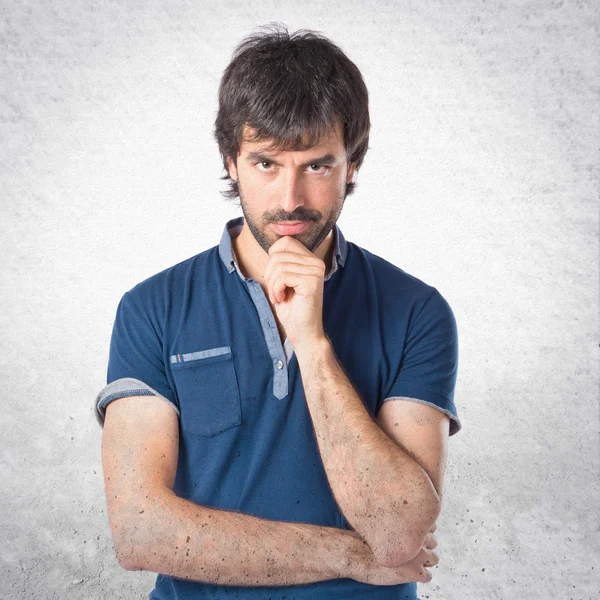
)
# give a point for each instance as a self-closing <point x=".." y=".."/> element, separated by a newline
<point x="271" y="334"/>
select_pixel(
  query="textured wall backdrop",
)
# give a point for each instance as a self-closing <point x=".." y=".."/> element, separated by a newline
<point x="481" y="179"/>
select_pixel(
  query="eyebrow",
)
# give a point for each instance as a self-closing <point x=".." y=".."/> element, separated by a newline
<point x="260" y="157"/>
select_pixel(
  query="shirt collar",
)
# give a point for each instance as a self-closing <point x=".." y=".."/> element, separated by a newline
<point x="234" y="226"/>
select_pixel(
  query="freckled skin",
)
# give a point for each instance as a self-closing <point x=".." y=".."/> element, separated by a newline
<point x="383" y="493"/>
<point x="233" y="548"/>
<point x="366" y="470"/>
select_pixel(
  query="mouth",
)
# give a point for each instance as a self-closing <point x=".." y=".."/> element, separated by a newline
<point x="290" y="228"/>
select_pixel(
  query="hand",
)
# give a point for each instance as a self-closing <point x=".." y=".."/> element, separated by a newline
<point x="295" y="277"/>
<point x="363" y="567"/>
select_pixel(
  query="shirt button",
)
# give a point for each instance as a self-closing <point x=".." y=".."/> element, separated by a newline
<point x="279" y="364"/>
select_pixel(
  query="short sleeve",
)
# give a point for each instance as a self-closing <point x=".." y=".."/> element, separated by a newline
<point x="428" y="368"/>
<point x="135" y="365"/>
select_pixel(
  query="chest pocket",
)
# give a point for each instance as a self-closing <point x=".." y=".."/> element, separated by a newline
<point x="207" y="387"/>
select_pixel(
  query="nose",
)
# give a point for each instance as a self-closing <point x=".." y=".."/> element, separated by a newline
<point x="291" y="192"/>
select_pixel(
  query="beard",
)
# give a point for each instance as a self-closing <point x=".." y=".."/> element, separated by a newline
<point x="312" y="237"/>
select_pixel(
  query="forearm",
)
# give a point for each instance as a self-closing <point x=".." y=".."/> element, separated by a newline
<point x="385" y="495"/>
<point x="177" y="537"/>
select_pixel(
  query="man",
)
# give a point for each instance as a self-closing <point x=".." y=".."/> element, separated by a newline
<point x="277" y="407"/>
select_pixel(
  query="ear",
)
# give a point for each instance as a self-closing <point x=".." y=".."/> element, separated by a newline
<point x="231" y="168"/>
<point x="351" y="171"/>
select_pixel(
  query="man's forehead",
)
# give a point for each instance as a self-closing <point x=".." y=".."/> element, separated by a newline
<point x="332" y="138"/>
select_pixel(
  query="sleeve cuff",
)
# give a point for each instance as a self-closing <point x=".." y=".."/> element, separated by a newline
<point x="124" y="388"/>
<point x="455" y="424"/>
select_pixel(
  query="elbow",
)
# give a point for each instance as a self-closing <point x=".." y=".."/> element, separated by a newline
<point x="135" y="526"/>
<point x="397" y="555"/>
<point x="127" y="557"/>
<point x="126" y="543"/>
<point x="402" y="547"/>
<point x="128" y="562"/>
<point x="398" y="547"/>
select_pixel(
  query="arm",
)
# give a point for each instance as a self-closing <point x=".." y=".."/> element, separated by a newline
<point x="421" y="431"/>
<point x="155" y="530"/>
<point x="386" y="495"/>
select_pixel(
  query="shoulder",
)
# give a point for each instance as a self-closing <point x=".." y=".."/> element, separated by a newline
<point x="160" y="298"/>
<point x="388" y="279"/>
<point x="403" y="297"/>
<point x="174" y="279"/>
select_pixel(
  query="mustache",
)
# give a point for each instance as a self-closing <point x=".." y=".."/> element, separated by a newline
<point x="295" y="219"/>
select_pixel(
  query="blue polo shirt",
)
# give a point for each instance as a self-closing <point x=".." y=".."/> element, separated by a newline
<point x="204" y="339"/>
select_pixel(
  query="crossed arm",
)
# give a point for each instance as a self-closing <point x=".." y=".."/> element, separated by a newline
<point x="386" y="475"/>
<point x="369" y="473"/>
<point x="155" y="530"/>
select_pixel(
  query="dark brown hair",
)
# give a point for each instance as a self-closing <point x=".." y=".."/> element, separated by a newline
<point x="288" y="88"/>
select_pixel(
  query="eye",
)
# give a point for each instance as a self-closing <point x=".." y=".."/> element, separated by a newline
<point x="263" y="162"/>
<point x="325" y="167"/>
<point x="314" y="168"/>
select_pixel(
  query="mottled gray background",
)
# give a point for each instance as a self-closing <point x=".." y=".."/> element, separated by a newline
<point x="481" y="179"/>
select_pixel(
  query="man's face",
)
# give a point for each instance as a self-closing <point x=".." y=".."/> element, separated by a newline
<point x="307" y="186"/>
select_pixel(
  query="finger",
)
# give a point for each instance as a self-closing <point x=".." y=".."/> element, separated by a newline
<point x="432" y="560"/>
<point x="426" y="576"/>
<point x="280" y="282"/>
<point x="277" y="296"/>
<point x="300" y="268"/>
<point x="273" y="268"/>
<point x="292" y="278"/>
<point x="294" y="257"/>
